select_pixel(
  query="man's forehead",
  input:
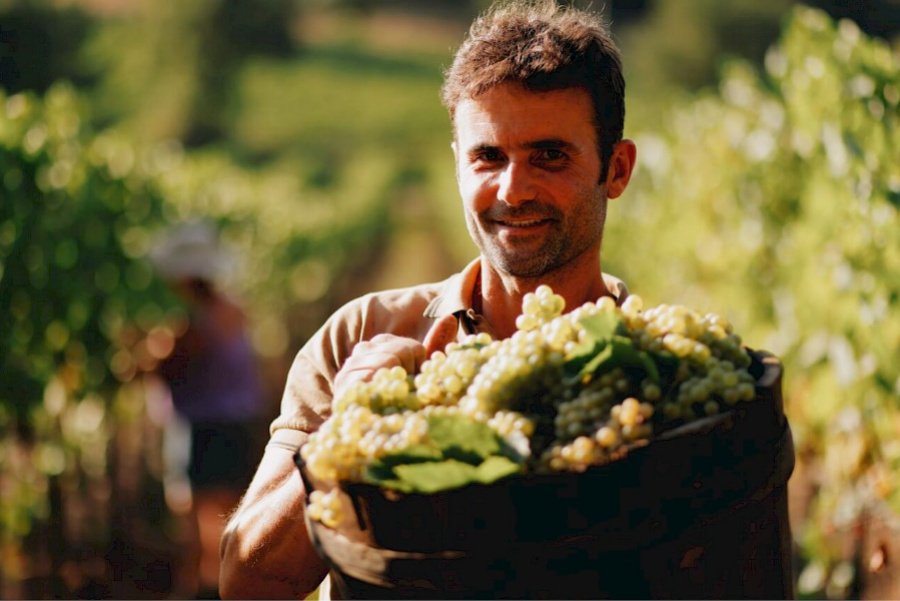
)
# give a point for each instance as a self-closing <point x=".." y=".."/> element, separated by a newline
<point x="510" y="109"/>
<point x="518" y="93"/>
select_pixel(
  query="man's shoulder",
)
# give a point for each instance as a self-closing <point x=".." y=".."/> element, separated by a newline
<point x="427" y="301"/>
<point x="405" y="311"/>
<point x="407" y="298"/>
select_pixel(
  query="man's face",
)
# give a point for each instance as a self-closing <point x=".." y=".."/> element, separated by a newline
<point x="529" y="176"/>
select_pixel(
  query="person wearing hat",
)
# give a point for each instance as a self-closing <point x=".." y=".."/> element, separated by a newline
<point x="212" y="376"/>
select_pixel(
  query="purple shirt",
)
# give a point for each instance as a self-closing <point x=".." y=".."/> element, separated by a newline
<point x="218" y="383"/>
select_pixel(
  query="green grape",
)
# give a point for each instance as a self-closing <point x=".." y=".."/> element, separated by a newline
<point x="353" y="438"/>
<point x="516" y="387"/>
<point x="589" y="408"/>
<point x="325" y="507"/>
<point x="388" y="391"/>
<point x="447" y="374"/>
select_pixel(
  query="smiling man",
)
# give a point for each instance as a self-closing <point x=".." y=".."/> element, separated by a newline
<point x="534" y="194"/>
<point x="536" y="99"/>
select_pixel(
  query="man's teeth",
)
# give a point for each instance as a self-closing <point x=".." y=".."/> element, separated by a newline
<point x="523" y="223"/>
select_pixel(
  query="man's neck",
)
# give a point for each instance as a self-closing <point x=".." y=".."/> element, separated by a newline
<point x="500" y="295"/>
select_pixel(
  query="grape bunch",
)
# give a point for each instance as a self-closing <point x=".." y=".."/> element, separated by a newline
<point x="325" y="507"/>
<point x="565" y="392"/>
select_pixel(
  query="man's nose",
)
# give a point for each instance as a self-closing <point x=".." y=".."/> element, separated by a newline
<point x="516" y="184"/>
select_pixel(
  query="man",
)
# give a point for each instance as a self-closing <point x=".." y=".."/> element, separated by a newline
<point x="536" y="98"/>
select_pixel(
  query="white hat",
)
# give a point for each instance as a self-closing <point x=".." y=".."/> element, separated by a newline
<point x="192" y="249"/>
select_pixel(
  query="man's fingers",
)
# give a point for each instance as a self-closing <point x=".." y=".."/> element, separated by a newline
<point x="442" y="333"/>
<point x="385" y="350"/>
<point x="346" y="379"/>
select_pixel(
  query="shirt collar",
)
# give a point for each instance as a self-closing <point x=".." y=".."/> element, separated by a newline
<point x="456" y="295"/>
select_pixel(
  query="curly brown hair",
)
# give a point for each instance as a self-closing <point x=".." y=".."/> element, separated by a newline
<point x="544" y="46"/>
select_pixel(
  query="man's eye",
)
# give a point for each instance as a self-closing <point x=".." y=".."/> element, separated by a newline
<point x="551" y="154"/>
<point x="490" y="156"/>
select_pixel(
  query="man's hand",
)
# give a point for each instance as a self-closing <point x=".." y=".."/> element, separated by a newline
<point x="387" y="350"/>
<point x="266" y="551"/>
<point x="442" y="333"/>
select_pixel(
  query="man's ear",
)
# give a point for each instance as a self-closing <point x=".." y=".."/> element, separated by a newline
<point x="621" y="164"/>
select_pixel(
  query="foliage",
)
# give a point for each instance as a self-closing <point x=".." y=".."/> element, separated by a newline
<point x="337" y="98"/>
<point x="82" y="312"/>
<point x="295" y="241"/>
<point x="681" y="44"/>
<point x="772" y="199"/>
<point x="167" y="70"/>
<point x="72" y="232"/>
<point x="777" y="197"/>
<point x="74" y="292"/>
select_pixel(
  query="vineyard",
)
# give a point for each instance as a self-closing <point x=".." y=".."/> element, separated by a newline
<point x="771" y="199"/>
<point x="788" y="182"/>
<point x="85" y="315"/>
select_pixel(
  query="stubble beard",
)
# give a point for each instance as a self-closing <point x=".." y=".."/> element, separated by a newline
<point x="567" y="240"/>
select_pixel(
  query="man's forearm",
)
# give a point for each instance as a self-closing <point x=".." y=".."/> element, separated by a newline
<point x="265" y="551"/>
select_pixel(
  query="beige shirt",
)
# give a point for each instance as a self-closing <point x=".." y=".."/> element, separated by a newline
<point x="409" y="312"/>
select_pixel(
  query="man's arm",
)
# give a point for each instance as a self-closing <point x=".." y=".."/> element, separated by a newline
<point x="266" y="552"/>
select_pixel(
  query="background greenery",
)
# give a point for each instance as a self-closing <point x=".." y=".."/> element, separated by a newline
<point x="767" y="190"/>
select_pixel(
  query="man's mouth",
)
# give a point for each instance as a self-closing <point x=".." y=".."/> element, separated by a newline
<point x="522" y="222"/>
<point x="528" y="219"/>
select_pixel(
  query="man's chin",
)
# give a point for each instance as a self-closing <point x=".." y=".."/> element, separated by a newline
<point x="531" y="266"/>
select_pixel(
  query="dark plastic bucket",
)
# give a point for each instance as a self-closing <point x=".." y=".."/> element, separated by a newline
<point x="699" y="513"/>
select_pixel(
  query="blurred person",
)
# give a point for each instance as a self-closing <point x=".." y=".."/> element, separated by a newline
<point x="536" y="101"/>
<point x="215" y="388"/>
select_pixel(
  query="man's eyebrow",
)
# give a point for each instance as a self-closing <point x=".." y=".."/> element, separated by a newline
<point x="479" y="148"/>
<point x="549" y="143"/>
<point x="542" y="144"/>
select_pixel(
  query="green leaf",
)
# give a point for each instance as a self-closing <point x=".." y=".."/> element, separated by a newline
<point x="603" y="357"/>
<point x="599" y="330"/>
<point x="435" y="476"/>
<point x="417" y="453"/>
<point x="382" y="471"/>
<point x="618" y="351"/>
<point x="378" y="473"/>
<point x="602" y="326"/>
<point x="460" y="451"/>
<point x="461" y="438"/>
<point x="386" y="478"/>
<point x="604" y="349"/>
<point x="630" y="357"/>
<point x="494" y="468"/>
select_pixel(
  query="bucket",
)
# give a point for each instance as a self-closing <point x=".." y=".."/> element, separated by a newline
<point x="700" y="512"/>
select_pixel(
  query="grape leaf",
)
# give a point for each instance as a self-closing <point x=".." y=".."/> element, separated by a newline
<point x="626" y="356"/>
<point x="417" y="453"/>
<point x="385" y="478"/>
<point x="458" y="451"/>
<point x="602" y="326"/>
<point x="436" y="475"/>
<point x="604" y="350"/>
<point x="494" y="468"/>
<point x="461" y="438"/>
<point x="599" y="330"/>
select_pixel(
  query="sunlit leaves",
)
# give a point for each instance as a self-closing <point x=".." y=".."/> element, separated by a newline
<point x="775" y="201"/>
